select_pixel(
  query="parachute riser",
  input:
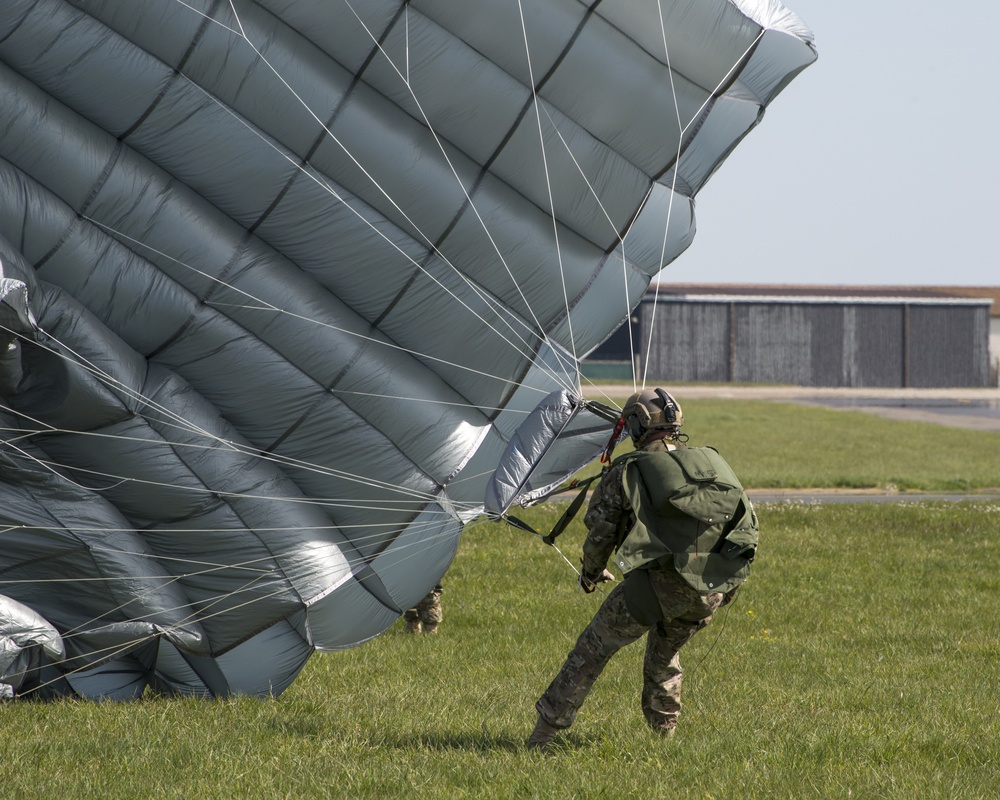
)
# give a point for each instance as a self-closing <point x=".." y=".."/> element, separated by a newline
<point x="563" y="522"/>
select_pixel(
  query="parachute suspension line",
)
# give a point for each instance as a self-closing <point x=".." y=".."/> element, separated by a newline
<point x="475" y="289"/>
<point x="548" y="189"/>
<point x="242" y="33"/>
<point x="670" y="71"/>
<point x="198" y="617"/>
<point x="406" y="31"/>
<point x="109" y="381"/>
<point x="539" y="330"/>
<point x="522" y="526"/>
<point x="54" y="467"/>
<point x="628" y="316"/>
<point x="418" y="500"/>
<point x="326" y="187"/>
<point x="617" y="234"/>
<point x="421" y="499"/>
<point x="111" y="652"/>
<point x="681" y="132"/>
<point x="265" y="306"/>
<point x="201" y="13"/>
<point x="681" y="127"/>
<point x="430" y="525"/>
<point x="428" y="400"/>
<point x="514" y="522"/>
<point x="583" y="175"/>
<point x="185" y="425"/>
<point x="195" y="617"/>
<point x="208" y="567"/>
<point x="412" y="550"/>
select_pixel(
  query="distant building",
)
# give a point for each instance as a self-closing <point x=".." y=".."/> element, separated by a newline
<point x="809" y="336"/>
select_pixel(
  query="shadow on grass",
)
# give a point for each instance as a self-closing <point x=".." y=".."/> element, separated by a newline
<point x="480" y="742"/>
<point x="411" y="741"/>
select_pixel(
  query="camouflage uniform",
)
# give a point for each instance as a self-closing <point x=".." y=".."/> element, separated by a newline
<point x="684" y="612"/>
<point x="426" y="615"/>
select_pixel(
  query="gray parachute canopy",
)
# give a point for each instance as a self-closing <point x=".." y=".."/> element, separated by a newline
<point x="281" y="280"/>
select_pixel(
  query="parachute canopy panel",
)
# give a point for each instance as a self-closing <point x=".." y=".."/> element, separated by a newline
<point x="282" y="281"/>
<point x="562" y="434"/>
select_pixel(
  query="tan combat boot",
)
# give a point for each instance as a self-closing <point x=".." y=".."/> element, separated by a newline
<point x="413" y="626"/>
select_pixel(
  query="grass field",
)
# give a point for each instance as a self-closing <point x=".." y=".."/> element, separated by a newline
<point x="784" y="445"/>
<point x="861" y="660"/>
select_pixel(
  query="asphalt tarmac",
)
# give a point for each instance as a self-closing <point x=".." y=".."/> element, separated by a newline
<point x="811" y="496"/>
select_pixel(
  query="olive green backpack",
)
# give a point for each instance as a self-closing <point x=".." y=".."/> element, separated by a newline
<point x="691" y="513"/>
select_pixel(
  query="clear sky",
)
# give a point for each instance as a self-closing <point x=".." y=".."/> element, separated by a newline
<point x="878" y="165"/>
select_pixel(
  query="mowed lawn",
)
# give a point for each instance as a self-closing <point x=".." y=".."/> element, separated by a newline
<point x="786" y="445"/>
<point x="861" y="660"/>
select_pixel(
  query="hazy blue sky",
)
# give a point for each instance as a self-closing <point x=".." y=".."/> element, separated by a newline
<point x="879" y="164"/>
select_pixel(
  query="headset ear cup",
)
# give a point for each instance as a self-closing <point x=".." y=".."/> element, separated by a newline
<point x="669" y="405"/>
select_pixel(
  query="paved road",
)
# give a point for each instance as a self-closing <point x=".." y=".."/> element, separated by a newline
<point x="810" y="496"/>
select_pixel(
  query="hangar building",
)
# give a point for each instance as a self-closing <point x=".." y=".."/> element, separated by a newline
<point x="919" y="337"/>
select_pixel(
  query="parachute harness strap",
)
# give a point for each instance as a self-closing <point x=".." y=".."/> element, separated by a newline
<point x="567" y="516"/>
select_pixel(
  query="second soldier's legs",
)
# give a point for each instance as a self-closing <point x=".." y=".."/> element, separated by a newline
<point x="426" y="615"/>
<point x="430" y="610"/>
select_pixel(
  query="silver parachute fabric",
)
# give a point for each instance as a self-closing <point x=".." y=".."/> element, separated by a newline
<point x="282" y="279"/>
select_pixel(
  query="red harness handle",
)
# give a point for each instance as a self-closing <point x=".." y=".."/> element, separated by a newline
<point x="609" y="448"/>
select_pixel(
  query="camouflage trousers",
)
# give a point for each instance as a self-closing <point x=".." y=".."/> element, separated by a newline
<point x="427" y="611"/>
<point x="684" y="613"/>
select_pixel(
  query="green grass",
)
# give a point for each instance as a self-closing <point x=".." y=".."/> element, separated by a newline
<point x="861" y="660"/>
<point x="789" y="446"/>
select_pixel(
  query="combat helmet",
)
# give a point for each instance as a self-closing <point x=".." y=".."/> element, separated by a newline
<point x="651" y="409"/>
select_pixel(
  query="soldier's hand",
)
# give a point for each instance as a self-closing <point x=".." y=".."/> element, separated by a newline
<point x="589" y="582"/>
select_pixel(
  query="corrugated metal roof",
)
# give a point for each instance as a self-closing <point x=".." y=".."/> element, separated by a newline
<point x="828" y="293"/>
